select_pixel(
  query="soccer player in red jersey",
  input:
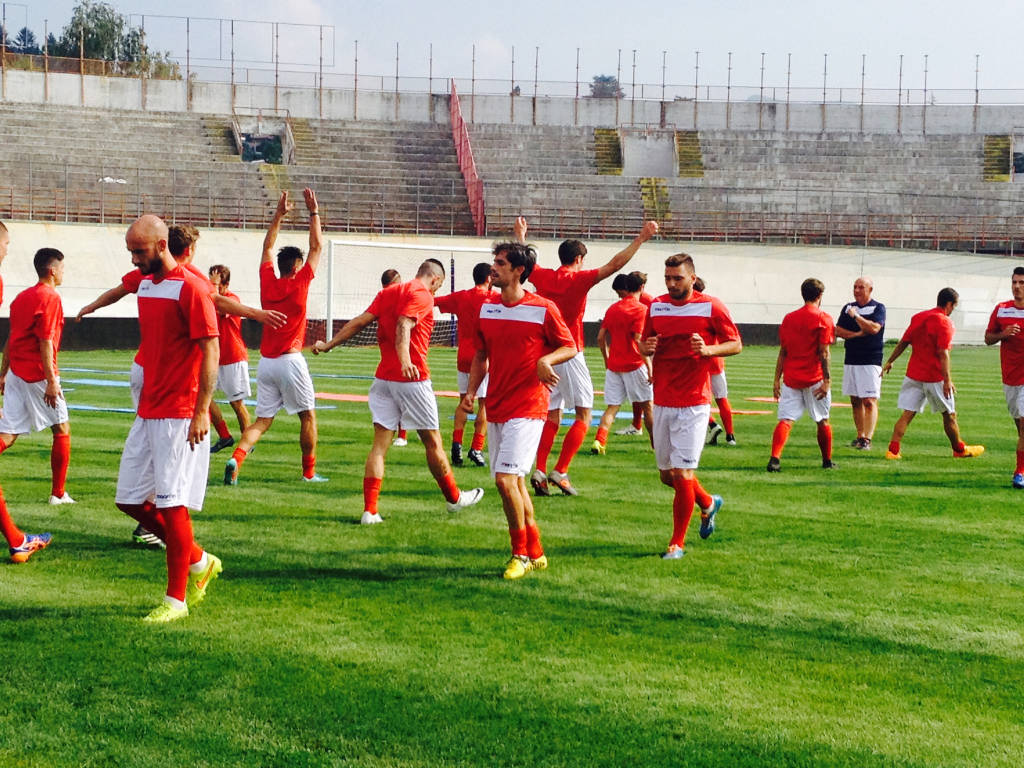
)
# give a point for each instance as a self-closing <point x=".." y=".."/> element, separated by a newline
<point x="929" y="380"/>
<point x="282" y="379"/>
<point x="1004" y="328"/>
<point x="627" y="376"/>
<point x="465" y="305"/>
<point x="684" y="331"/>
<point x="636" y="427"/>
<point x="401" y="391"/>
<point x="720" y="391"/>
<point x="233" y="374"/>
<point x="521" y="339"/>
<point x="29" y="378"/>
<point x="166" y="455"/>
<point x="392" y="277"/>
<point x="803" y="378"/>
<point x="567" y="287"/>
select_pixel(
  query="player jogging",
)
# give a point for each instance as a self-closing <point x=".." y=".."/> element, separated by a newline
<point x="861" y="325"/>
<point x="29" y="378"/>
<point x="401" y="391"/>
<point x="567" y="287"/>
<point x="465" y="305"/>
<point x="166" y="455"/>
<point x="803" y="377"/>
<point x="521" y="338"/>
<point x="282" y="379"/>
<point x="929" y="380"/>
<point x="684" y="331"/>
<point x="1004" y="328"/>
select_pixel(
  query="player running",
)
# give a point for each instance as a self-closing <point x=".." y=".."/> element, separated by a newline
<point x="684" y="331"/>
<point x="465" y="305"/>
<point x="233" y="372"/>
<point x="521" y="339"/>
<point x="567" y="287"/>
<point x="1004" y="328"/>
<point x="401" y="391"/>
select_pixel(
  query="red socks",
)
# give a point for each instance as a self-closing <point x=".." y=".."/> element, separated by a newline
<point x="533" y="547"/>
<point x="571" y="445"/>
<point x="779" y="437"/>
<point x="179" y="549"/>
<point x="547" y="439"/>
<point x="239" y="455"/>
<point x="60" y="456"/>
<point x="478" y="441"/>
<point x="638" y="416"/>
<point x="371" y="492"/>
<point x="602" y="436"/>
<point x="403" y="433"/>
<point x="457" y="435"/>
<point x="449" y="487"/>
<point x="1020" y="463"/>
<point x="220" y="425"/>
<point x="702" y="497"/>
<point x="15" y="538"/>
<point x="519" y="537"/>
<point x="725" y="413"/>
<point x="894" y="447"/>
<point x="825" y="440"/>
<point x="682" y="510"/>
<point x="309" y="465"/>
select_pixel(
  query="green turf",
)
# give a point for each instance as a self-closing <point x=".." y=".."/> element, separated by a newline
<point x="870" y="616"/>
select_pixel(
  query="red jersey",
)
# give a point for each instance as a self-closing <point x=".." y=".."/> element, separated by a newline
<point x="681" y="376"/>
<point x="568" y="289"/>
<point x="646" y="299"/>
<point x="287" y="295"/>
<point x="36" y="314"/>
<point x="623" y="321"/>
<point x="515" y="337"/>
<point x="1011" y="349"/>
<point x="411" y="299"/>
<point x="173" y="314"/>
<point x="929" y="333"/>
<point x="232" y="347"/>
<point x="465" y="305"/>
<point x="801" y="333"/>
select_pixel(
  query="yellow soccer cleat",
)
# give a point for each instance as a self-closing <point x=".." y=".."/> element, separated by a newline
<point x="969" y="451"/>
<point x="598" y="448"/>
<point x="165" y="613"/>
<point x="538" y="564"/>
<point x="893" y="456"/>
<point x="517" y="567"/>
<point x="198" y="582"/>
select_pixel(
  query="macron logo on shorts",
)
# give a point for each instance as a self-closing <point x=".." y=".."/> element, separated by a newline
<point x="695" y="309"/>
<point x="523" y="313"/>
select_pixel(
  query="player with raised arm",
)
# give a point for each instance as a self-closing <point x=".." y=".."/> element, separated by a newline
<point x="165" y="462"/>
<point x="567" y="287"/>
<point x="929" y="379"/>
<point x="282" y="379"/>
<point x="521" y="339"/>
<point x="465" y="305"/>
<point x="29" y="377"/>
<point x="684" y="331"/>
<point x="401" y="392"/>
<point x="627" y="376"/>
<point x="1004" y="328"/>
<point x="803" y="377"/>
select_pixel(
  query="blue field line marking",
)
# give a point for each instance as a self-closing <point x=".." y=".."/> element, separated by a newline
<point x="95" y="382"/>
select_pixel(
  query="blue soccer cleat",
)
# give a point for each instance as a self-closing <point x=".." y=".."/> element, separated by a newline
<point x="707" y="522"/>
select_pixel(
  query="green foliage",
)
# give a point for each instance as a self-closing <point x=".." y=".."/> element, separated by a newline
<point x="868" y="617"/>
<point x="606" y="87"/>
<point x="24" y="42"/>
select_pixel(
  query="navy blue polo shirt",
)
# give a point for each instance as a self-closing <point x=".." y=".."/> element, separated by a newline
<point x="864" y="350"/>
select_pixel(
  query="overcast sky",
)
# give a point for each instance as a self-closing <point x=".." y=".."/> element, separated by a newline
<point x="950" y="32"/>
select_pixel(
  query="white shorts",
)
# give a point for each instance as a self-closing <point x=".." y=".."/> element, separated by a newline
<point x="283" y="382"/>
<point x="793" y="403"/>
<point x="1014" y="400"/>
<point x="158" y="465"/>
<point x="24" y="408"/>
<point x="915" y="394"/>
<point x="233" y="380"/>
<point x="719" y="386"/>
<point x="135" y="383"/>
<point x="481" y="391"/>
<point x="410" y="404"/>
<point x="512" y="445"/>
<point x="862" y="381"/>
<point x="574" y="388"/>
<point x="632" y="387"/>
<point x="679" y="435"/>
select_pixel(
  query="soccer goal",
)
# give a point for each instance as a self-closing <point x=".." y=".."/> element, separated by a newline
<point x="354" y="270"/>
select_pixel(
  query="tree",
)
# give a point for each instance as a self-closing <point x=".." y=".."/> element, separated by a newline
<point x="606" y="87"/>
<point x="25" y="42"/>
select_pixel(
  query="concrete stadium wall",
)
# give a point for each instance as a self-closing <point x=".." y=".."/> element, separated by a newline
<point x="758" y="283"/>
<point x="368" y="104"/>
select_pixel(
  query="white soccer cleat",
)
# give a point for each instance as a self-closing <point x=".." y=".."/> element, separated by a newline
<point x="630" y="430"/>
<point x="466" y="499"/>
<point x="65" y="499"/>
<point x="371" y="518"/>
<point x="399" y="442"/>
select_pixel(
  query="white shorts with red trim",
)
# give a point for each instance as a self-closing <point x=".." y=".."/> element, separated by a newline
<point x="632" y="386"/>
<point x="159" y="465"/>
<point x="411" y="404"/>
<point x="915" y="395"/>
<point x="574" y="389"/>
<point x="283" y="382"/>
<point x="512" y="445"/>
<point x="679" y="435"/>
<point x="233" y="380"/>
<point x="481" y="392"/>
<point x="25" y="410"/>
<point x="793" y="403"/>
<point x="862" y="381"/>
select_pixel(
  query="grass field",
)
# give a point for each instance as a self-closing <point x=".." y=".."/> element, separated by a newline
<point x="866" y="617"/>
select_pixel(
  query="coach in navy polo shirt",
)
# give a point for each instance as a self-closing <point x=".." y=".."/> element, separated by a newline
<point x="861" y="324"/>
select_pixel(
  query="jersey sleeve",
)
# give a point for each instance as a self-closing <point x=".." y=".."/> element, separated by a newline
<point x="879" y="314"/>
<point x="446" y="303"/>
<point x="846" y="322"/>
<point x="47" y="322"/>
<point x="375" y="305"/>
<point x="725" y="329"/>
<point x="828" y="329"/>
<point x="417" y="305"/>
<point x="944" y="336"/>
<point x="131" y="281"/>
<point x="202" y="316"/>
<point x="555" y="329"/>
<point x="993" y="321"/>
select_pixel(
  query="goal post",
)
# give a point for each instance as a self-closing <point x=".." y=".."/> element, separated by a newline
<point x="354" y="269"/>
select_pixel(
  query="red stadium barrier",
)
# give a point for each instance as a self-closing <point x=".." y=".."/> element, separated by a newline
<point x="474" y="185"/>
